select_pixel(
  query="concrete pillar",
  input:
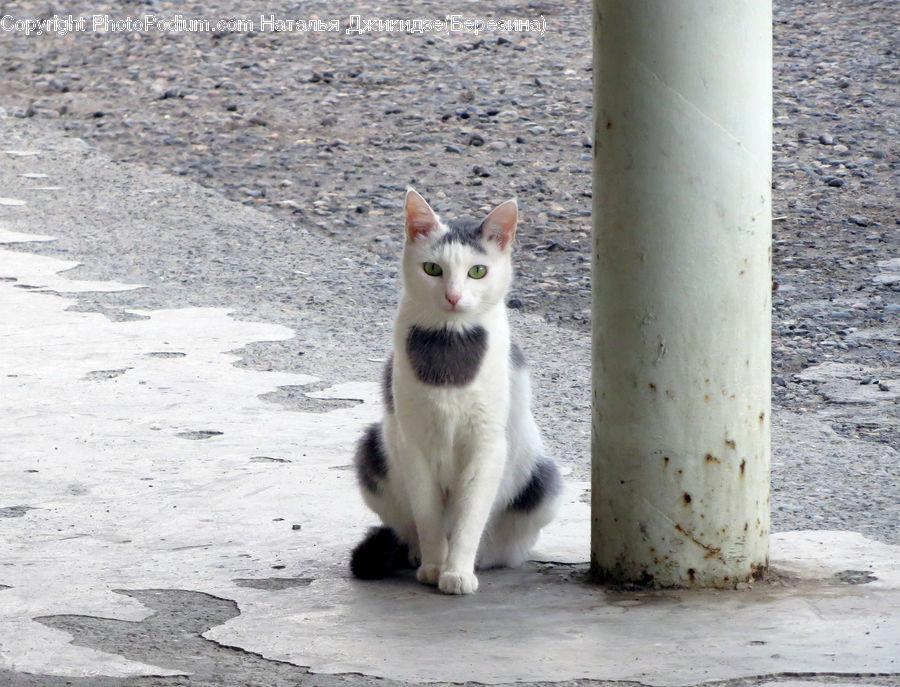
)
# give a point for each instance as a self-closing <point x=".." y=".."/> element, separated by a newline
<point x="682" y="291"/>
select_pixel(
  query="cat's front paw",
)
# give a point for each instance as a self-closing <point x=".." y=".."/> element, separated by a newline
<point x="428" y="573"/>
<point x="458" y="583"/>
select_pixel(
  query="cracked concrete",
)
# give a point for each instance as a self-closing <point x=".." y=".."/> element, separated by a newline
<point x="172" y="637"/>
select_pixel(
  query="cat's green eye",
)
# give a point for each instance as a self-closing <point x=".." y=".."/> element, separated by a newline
<point x="477" y="271"/>
<point x="432" y="269"/>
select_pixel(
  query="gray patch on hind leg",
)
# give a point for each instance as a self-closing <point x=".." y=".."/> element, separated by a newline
<point x="544" y="482"/>
<point x="371" y="462"/>
<point x="387" y="385"/>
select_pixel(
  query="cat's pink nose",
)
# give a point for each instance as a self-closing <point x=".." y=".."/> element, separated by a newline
<point x="452" y="298"/>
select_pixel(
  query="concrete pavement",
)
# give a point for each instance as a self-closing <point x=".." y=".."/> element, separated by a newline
<point x="137" y="455"/>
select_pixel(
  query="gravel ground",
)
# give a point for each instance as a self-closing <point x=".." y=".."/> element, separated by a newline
<point x="327" y="129"/>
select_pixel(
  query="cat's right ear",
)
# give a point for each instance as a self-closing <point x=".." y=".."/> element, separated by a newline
<point x="500" y="225"/>
<point x="420" y="218"/>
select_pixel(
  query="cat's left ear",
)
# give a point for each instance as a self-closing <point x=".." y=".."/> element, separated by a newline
<point x="500" y="225"/>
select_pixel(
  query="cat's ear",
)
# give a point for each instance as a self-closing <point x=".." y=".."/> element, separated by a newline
<point x="500" y="225"/>
<point x="420" y="218"/>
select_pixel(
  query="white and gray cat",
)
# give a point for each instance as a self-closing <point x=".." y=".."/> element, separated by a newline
<point x="456" y="469"/>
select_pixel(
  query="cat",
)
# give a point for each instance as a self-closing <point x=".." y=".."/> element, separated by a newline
<point x="456" y="469"/>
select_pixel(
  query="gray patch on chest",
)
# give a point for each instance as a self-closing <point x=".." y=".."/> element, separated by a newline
<point x="446" y="357"/>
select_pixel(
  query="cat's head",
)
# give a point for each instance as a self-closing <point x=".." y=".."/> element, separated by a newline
<point x="459" y="268"/>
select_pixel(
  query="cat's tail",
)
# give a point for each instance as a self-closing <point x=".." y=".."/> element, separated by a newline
<point x="379" y="555"/>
